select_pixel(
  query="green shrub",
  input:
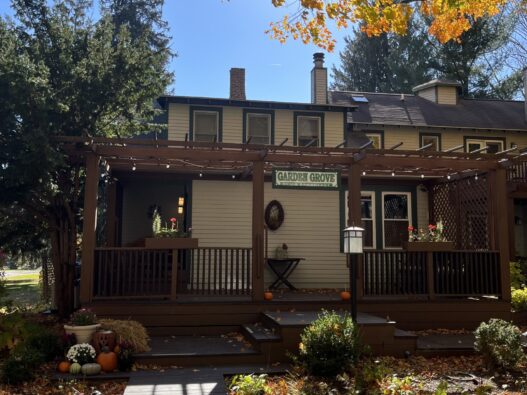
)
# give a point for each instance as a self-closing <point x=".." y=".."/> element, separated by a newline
<point x="45" y="342"/>
<point x="249" y="384"/>
<point x="368" y="374"/>
<point x="330" y="345"/>
<point x="500" y="343"/>
<point x="20" y="366"/>
<point x="519" y="299"/>
<point x="393" y="385"/>
<point x="517" y="276"/>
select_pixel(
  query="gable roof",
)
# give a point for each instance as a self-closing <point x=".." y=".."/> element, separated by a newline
<point x="389" y="109"/>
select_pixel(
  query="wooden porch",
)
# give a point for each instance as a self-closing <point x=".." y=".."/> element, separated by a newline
<point x="184" y="290"/>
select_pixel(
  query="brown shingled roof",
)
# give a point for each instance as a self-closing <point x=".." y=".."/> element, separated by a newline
<point x="389" y="109"/>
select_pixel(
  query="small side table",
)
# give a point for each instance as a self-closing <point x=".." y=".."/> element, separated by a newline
<point x="283" y="268"/>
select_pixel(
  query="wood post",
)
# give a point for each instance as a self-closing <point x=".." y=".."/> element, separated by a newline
<point x="430" y="274"/>
<point x="111" y="214"/>
<point x="258" y="231"/>
<point x="173" y="279"/>
<point x="88" y="228"/>
<point x="355" y="217"/>
<point x="501" y="220"/>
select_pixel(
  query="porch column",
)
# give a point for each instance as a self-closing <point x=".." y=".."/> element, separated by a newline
<point x="111" y="207"/>
<point x="88" y="229"/>
<point x="258" y="231"/>
<point x="355" y="216"/>
<point x="500" y="218"/>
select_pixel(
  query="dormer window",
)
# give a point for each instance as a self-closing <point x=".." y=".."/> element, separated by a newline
<point x="309" y="128"/>
<point x="206" y="124"/>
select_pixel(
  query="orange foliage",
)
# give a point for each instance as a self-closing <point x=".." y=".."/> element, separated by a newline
<point x="310" y="22"/>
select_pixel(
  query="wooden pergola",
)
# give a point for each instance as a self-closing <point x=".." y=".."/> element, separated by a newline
<point x="255" y="162"/>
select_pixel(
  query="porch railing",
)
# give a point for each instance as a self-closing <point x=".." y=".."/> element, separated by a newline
<point x="126" y="273"/>
<point x="408" y="273"/>
<point x="517" y="172"/>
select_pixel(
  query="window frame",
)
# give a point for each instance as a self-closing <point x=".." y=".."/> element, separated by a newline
<point x="205" y="109"/>
<point x="320" y="116"/>
<point x="484" y="139"/>
<point x="371" y="195"/>
<point x="383" y="219"/>
<point x="376" y="133"/>
<point x="247" y="112"/>
<point x="423" y="135"/>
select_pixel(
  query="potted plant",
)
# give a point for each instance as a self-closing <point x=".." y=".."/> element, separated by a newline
<point x="433" y="239"/>
<point x="82" y="354"/>
<point x="83" y="325"/>
<point x="170" y="237"/>
<point x="280" y="252"/>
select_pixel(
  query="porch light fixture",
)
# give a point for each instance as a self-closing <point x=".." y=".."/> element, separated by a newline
<point x="181" y="201"/>
<point x="353" y="247"/>
<point x="180" y="210"/>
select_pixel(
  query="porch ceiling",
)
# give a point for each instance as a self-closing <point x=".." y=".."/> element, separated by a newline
<point x="237" y="159"/>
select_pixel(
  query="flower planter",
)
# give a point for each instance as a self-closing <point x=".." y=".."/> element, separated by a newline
<point x="429" y="246"/>
<point x="83" y="334"/>
<point x="171" y="243"/>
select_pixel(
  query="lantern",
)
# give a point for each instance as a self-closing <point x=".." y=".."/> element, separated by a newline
<point x="353" y="240"/>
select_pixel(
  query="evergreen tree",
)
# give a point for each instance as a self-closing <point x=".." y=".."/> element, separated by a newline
<point x="64" y="74"/>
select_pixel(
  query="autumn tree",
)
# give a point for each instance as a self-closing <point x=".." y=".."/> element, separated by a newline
<point x="312" y="19"/>
<point x="64" y="74"/>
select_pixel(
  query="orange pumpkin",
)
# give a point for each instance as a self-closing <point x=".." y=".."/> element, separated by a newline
<point x="345" y="295"/>
<point x="64" y="367"/>
<point x="268" y="295"/>
<point x="117" y="349"/>
<point x="107" y="360"/>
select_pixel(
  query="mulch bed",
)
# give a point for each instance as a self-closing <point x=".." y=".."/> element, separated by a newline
<point x="44" y="384"/>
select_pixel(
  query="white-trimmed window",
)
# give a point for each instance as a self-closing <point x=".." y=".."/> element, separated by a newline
<point x="433" y="139"/>
<point x="396" y="217"/>
<point x="367" y="208"/>
<point x="376" y="138"/>
<point x="475" y="144"/>
<point x="205" y="125"/>
<point x="307" y="129"/>
<point x="258" y="128"/>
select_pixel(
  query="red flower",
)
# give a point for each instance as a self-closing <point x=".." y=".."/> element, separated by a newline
<point x="410" y="229"/>
<point x="173" y="220"/>
<point x="432" y="227"/>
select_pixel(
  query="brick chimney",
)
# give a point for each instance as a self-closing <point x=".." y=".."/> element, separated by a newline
<point x="237" y="91"/>
<point x="319" y="80"/>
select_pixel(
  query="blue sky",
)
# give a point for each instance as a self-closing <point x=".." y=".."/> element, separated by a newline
<point x="211" y="36"/>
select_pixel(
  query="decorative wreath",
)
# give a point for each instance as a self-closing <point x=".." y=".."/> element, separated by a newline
<point x="274" y="215"/>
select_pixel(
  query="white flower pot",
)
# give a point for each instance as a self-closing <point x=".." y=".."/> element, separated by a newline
<point x="83" y="334"/>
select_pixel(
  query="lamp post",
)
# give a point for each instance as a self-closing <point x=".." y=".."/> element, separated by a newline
<point x="352" y="248"/>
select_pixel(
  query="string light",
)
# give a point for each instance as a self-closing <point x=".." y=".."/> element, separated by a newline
<point x="422" y="176"/>
<point x="448" y="177"/>
<point x="200" y="174"/>
<point x="476" y="177"/>
<point x="134" y="167"/>
<point x="363" y="173"/>
<point x="107" y="166"/>
<point x="168" y="165"/>
<point x="393" y="174"/>
<point x="233" y="176"/>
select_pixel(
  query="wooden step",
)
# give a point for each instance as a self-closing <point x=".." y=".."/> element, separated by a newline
<point x="260" y="333"/>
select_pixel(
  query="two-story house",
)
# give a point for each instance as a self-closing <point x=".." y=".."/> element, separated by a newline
<point x="245" y="177"/>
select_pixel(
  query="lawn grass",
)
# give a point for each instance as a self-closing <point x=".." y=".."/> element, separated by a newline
<point x="23" y="290"/>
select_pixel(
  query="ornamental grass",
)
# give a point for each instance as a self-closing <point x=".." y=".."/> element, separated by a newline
<point x="128" y="331"/>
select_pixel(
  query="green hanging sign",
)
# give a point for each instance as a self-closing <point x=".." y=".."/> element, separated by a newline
<point x="306" y="179"/>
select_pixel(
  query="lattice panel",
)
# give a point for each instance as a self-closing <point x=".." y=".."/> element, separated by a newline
<point x="463" y="206"/>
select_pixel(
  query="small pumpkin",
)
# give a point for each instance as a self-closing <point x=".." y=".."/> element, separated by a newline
<point x="268" y="295"/>
<point x="117" y="349"/>
<point x="345" y="295"/>
<point x="75" y="368"/>
<point x="107" y="360"/>
<point x="64" y="367"/>
<point x="91" y="369"/>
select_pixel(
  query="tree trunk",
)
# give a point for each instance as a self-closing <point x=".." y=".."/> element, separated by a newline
<point x="63" y="256"/>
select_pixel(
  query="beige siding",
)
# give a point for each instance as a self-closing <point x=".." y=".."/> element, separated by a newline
<point x="428" y="94"/>
<point x="178" y="121"/>
<point x="232" y="125"/>
<point x="283" y="127"/>
<point x="333" y="129"/>
<point x="221" y="216"/>
<point x="447" y="95"/>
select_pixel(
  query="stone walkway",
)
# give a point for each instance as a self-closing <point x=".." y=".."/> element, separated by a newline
<point x="188" y="381"/>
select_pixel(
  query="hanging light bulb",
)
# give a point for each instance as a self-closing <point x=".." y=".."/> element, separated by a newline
<point x="476" y="177"/>
<point x="200" y="174"/>
<point x="134" y="167"/>
<point x="107" y="166"/>
<point x="448" y="177"/>
<point x="393" y="174"/>
<point x="363" y="173"/>
<point x="422" y="176"/>
<point x="233" y="176"/>
<point x="168" y="165"/>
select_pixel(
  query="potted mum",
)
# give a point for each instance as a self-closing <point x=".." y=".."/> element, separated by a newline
<point x="83" y="325"/>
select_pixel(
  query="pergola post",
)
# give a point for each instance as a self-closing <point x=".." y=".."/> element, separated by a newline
<point x="355" y="217"/>
<point x="258" y="231"/>
<point x="111" y="207"/>
<point x="88" y="229"/>
<point x="500" y="218"/>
